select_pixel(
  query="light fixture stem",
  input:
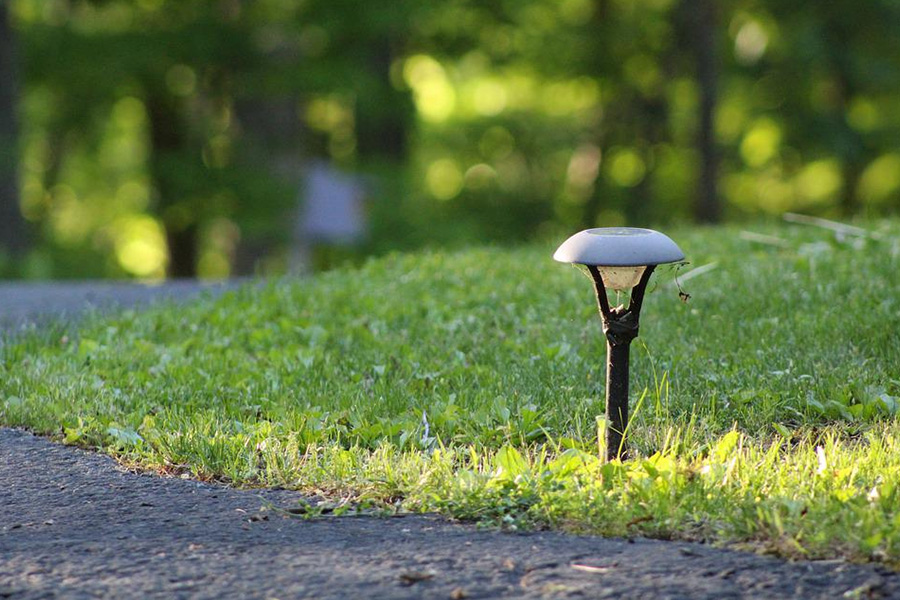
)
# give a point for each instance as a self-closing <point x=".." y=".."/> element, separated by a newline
<point x="621" y="326"/>
<point x="600" y="290"/>
<point x="617" y="364"/>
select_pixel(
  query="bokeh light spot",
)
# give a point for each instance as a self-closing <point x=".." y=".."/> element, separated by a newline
<point x="584" y="166"/>
<point x="444" y="179"/>
<point x="761" y="142"/>
<point x="140" y="246"/>
<point x="69" y="217"/>
<point x="434" y="96"/>
<point x="489" y="98"/>
<point x="181" y="80"/>
<point x="626" y="167"/>
<point x="750" y="43"/>
<point x="820" y="180"/>
<point x="881" y="180"/>
<point x="863" y="115"/>
<point x="480" y="176"/>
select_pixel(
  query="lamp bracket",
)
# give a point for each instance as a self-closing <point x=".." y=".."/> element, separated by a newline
<point x="621" y="325"/>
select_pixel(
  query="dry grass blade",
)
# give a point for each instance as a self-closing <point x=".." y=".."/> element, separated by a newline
<point x="701" y="270"/>
<point x="835" y="226"/>
<point x="761" y="238"/>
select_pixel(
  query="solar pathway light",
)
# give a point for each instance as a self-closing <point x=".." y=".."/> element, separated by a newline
<point x="619" y="258"/>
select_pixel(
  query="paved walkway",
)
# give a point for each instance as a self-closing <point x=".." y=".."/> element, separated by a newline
<point x="74" y="524"/>
<point x="22" y="303"/>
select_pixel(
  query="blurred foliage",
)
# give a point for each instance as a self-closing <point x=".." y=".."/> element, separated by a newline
<point x="169" y="137"/>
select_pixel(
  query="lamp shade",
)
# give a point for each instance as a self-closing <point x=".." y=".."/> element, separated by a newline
<point x="619" y="247"/>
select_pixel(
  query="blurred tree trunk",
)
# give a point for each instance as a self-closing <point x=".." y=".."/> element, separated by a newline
<point x="182" y="242"/>
<point x="595" y="201"/>
<point x="702" y="26"/>
<point x="385" y="119"/>
<point x="166" y="141"/>
<point x="385" y="115"/>
<point x="13" y="231"/>
<point x="850" y="145"/>
<point x="273" y="135"/>
<point x="652" y="117"/>
<point x="852" y="172"/>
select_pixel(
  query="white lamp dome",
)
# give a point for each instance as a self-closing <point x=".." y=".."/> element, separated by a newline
<point x="619" y="247"/>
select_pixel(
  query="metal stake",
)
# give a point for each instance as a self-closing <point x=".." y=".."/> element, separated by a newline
<point x="621" y="326"/>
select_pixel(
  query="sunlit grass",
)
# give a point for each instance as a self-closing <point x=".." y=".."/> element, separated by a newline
<point x="470" y="383"/>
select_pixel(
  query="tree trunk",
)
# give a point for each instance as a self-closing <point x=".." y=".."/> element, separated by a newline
<point x="166" y="140"/>
<point x="272" y="137"/>
<point x="704" y="24"/>
<point x="182" y="242"/>
<point x="13" y="231"/>
<point x="651" y="127"/>
<point x="384" y="114"/>
<point x="850" y="145"/>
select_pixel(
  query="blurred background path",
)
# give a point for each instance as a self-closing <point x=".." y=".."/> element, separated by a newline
<point x="23" y="303"/>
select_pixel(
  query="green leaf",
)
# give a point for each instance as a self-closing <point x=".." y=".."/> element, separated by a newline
<point x="782" y="430"/>
<point x="509" y="462"/>
<point x="124" y="436"/>
<point x="722" y="450"/>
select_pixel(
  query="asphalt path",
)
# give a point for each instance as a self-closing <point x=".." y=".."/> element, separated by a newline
<point x="76" y="524"/>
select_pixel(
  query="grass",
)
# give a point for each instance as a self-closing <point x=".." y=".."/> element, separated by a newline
<point x="470" y="383"/>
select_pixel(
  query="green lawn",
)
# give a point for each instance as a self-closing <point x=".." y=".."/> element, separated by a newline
<point x="469" y="382"/>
